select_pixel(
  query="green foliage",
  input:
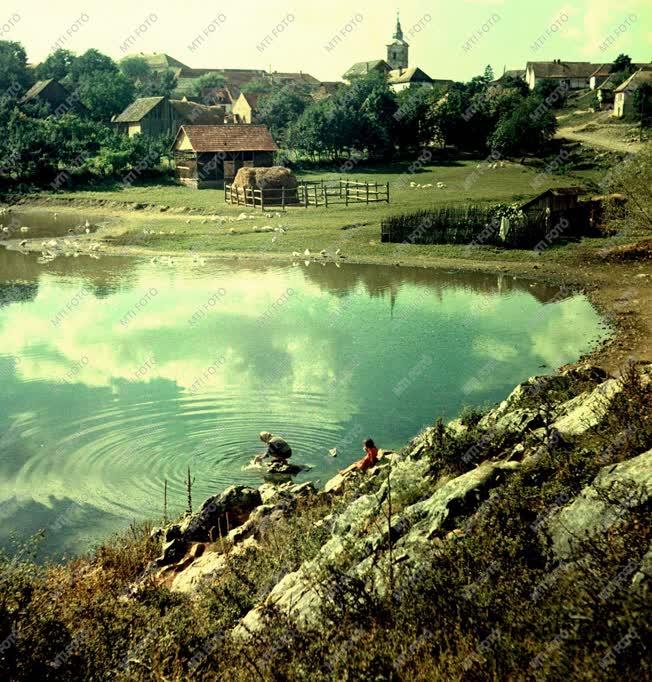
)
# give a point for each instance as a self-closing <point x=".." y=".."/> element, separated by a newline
<point x="281" y="107"/>
<point x="15" y="78"/>
<point x="57" y="65"/>
<point x="526" y="129"/>
<point x="258" y="86"/>
<point x="105" y="94"/>
<point x="552" y="93"/>
<point x="623" y="63"/>
<point x="207" y="82"/>
<point x="135" y="68"/>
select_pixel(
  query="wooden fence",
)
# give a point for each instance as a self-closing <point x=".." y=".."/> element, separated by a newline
<point x="310" y="193"/>
<point x="476" y="226"/>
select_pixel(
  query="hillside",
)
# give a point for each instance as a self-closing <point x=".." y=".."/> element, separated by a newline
<point x="511" y="544"/>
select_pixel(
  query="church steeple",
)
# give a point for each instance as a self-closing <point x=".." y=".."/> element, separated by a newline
<point x="399" y="31"/>
<point x="398" y="49"/>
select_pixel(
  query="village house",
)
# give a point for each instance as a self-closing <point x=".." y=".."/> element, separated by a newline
<point x="245" y="109"/>
<point x="554" y="199"/>
<point x="508" y="75"/>
<point x="153" y="116"/>
<point x="624" y="93"/>
<point x="574" y="75"/>
<point x="604" y="73"/>
<point x="55" y="96"/>
<point x="207" y="156"/>
<point x="365" y="68"/>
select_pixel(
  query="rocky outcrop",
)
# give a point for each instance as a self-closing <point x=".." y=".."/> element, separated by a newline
<point x="615" y="490"/>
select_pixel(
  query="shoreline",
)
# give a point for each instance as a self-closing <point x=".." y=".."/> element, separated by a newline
<point x="625" y="306"/>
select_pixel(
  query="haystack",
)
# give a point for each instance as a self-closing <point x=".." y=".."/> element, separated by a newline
<point x="275" y="177"/>
<point x="272" y="181"/>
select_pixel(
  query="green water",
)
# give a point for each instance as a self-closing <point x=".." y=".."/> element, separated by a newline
<point x="118" y="374"/>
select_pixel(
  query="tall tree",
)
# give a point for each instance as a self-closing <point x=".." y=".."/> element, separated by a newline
<point x="622" y="63"/>
<point x="14" y="75"/>
<point x="57" y="65"/>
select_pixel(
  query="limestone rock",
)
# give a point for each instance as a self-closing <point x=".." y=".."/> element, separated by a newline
<point x="588" y="514"/>
<point x="587" y="410"/>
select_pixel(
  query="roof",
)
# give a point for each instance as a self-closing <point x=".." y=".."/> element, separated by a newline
<point x="299" y="77"/>
<point x="363" y="68"/>
<point x="413" y="75"/>
<point x="160" y="61"/>
<point x="36" y="90"/>
<point x="555" y="192"/>
<point x="198" y="114"/>
<point x="607" y="69"/>
<point x="635" y="81"/>
<point x="138" y="109"/>
<point x="510" y="73"/>
<point x="228" y="138"/>
<point x="559" y="69"/>
<point x="326" y="89"/>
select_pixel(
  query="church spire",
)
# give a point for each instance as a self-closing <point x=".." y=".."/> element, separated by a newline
<point x="399" y="31"/>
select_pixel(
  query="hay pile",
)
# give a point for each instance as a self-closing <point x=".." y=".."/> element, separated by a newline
<point x="275" y="177"/>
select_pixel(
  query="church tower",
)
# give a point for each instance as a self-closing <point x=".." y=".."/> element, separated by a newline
<point x="398" y="49"/>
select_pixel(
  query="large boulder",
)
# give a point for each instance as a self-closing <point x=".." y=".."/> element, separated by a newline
<point x="221" y="513"/>
<point x="589" y="514"/>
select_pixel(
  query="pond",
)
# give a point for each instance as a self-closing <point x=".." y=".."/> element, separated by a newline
<point x="42" y="223"/>
<point x="119" y="374"/>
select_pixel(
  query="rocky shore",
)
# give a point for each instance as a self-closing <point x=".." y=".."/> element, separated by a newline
<point x="438" y="488"/>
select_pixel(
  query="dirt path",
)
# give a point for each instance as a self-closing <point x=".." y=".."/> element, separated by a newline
<point x="598" y="139"/>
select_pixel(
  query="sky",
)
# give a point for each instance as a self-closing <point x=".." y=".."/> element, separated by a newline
<point x="447" y="39"/>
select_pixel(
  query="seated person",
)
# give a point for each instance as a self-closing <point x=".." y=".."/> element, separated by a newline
<point x="277" y="449"/>
<point x="369" y="460"/>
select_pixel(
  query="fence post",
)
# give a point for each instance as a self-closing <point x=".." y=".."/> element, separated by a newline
<point x="305" y="194"/>
<point x="283" y="198"/>
<point x="346" y="193"/>
<point x="388" y="192"/>
<point x="367" y="188"/>
<point x="325" y="198"/>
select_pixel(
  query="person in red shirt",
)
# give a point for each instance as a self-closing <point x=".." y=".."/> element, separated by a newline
<point x="369" y="460"/>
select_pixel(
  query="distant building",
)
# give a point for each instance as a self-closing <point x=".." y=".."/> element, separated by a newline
<point x="604" y="71"/>
<point x="326" y="89"/>
<point x="400" y="79"/>
<point x="575" y="75"/>
<point x="365" y="68"/>
<point x="58" y="98"/>
<point x="624" y="93"/>
<point x="208" y="156"/>
<point x="245" y="109"/>
<point x="397" y="67"/>
<point x="153" y="116"/>
<point x="509" y="75"/>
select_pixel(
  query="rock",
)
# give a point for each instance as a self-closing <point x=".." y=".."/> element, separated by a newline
<point x="221" y="513"/>
<point x="336" y="484"/>
<point x="206" y="567"/>
<point x="588" y="409"/>
<point x="588" y="514"/>
<point x="173" y="551"/>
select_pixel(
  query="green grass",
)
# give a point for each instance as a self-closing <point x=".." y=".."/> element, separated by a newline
<point x="315" y="228"/>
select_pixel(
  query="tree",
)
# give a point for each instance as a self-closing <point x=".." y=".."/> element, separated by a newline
<point x="642" y="103"/>
<point x="622" y="63"/>
<point x="208" y="81"/>
<point x="158" y="84"/>
<point x="57" y="65"/>
<point x="135" y="68"/>
<point x="90" y="64"/>
<point x="488" y="74"/>
<point x="105" y="94"/>
<point x="552" y="92"/>
<point x="278" y="109"/>
<point x="14" y="75"/>
<point x="258" y="86"/>
<point x="415" y="126"/>
<point x="525" y="129"/>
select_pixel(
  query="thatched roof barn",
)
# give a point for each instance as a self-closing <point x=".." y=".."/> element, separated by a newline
<point x="208" y="155"/>
<point x="55" y="96"/>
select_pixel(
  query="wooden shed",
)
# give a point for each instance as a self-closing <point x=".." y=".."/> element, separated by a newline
<point x="554" y="199"/>
<point x="207" y="156"/>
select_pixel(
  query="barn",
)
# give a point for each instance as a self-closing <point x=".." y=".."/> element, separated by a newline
<point x="207" y="156"/>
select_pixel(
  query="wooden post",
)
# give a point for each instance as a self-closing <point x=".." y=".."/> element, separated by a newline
<point x="305" y="194"/>
<point x="388" y="192"/>
<point x="367" y="188"/>
<point x="325" y="198"/>
<point x="262" y="199"/>
<point x="283" y="198"/>
<point x="346" y="193"/>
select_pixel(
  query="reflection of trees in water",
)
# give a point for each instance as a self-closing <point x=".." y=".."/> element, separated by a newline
<point x="104" y="276"/>
<point x="15" y="292"/>
<point x="387" y="280"/>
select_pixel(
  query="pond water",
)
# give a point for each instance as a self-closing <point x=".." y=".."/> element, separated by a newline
<point x="118" y="374"/>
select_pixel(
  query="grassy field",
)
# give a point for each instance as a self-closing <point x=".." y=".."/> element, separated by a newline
<point x="355" y="230"/>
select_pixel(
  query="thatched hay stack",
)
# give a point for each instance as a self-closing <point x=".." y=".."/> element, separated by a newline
<point x="275" y="177"/>
<point x="272" y="181"/>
